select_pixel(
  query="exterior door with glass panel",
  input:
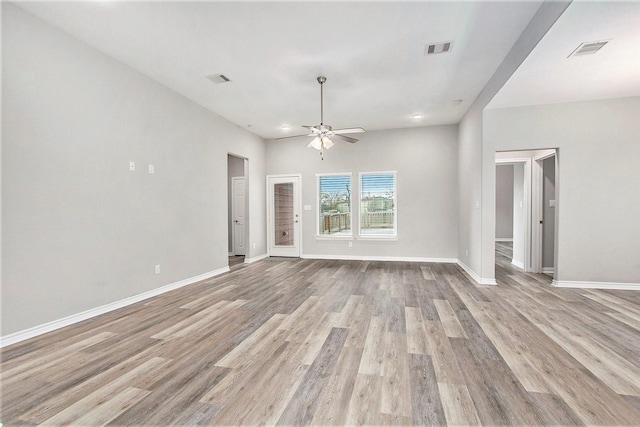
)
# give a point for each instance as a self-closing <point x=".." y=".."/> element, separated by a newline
<point x="284" y="215"/>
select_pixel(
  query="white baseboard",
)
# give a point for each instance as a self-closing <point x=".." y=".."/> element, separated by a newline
<point x="255" y="258"/>
<point x="474" y="275"/>
<point x="548" y="270"/>
<point x="518" y="264"/>
<point x="93" y="312"/>
<point x="379" y="258"/>
<point x="231" y="254"/>
<point x="595" y="285"/>
<point x="504" y="239"/>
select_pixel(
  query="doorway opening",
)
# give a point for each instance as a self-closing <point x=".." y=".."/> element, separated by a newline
<point x="526" y="193"/>
<point x="237" y="202"/>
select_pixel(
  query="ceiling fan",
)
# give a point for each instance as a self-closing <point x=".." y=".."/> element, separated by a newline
<point x="323" y="134"/>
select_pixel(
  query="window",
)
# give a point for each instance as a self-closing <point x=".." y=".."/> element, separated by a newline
<point x="334" y="201"/>
<point x="378" y="215"/>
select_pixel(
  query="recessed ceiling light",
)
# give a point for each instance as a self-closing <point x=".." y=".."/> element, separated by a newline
<point x="417" y="116"/>
<point x="285" y="128"/>
<point x="456" y="101"/>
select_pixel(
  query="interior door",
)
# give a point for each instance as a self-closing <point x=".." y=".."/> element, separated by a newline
<point x="237" y="189"/>
<point x="539" y="203"/>
<point x="548" y="213"/>
<point x="284" y="215"/>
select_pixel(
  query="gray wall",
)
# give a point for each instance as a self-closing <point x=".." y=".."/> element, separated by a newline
<point x="504" y="201"/>
<point x="470" y="189"/>
<point x="426" y="162"/>
<point x="79" y="230"/>
<point x="548" y="212"/>
<point x="597" y="181"/>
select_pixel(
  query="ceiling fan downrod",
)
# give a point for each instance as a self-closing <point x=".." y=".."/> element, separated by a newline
<point x="321" y="80"/>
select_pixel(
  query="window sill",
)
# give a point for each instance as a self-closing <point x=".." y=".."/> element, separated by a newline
<point x="329" y="237"/>
<point x="378" y="238"/>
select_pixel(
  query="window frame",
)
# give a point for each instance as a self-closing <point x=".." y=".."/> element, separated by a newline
<point x="393" y="236"/>
<point x="319" y="206"/>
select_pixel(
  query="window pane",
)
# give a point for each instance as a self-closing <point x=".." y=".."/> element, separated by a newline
<point x="335" y="205"/>
<point x="377" y="204"/>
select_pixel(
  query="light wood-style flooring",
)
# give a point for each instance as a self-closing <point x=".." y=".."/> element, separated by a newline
<point x="236" y="261"/>
<point x="299" y="342"/>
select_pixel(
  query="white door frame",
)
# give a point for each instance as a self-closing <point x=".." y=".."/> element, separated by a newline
<point x="296" y="249"/>
<point x="526" y="201"/>
<point x="234" y="183"/>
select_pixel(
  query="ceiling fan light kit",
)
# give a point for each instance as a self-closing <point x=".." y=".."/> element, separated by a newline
<point x="315" y="143"/>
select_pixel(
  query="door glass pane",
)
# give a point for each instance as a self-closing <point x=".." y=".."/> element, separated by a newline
<point x="283" y="214"/>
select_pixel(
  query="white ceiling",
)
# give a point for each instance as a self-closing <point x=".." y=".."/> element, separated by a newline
<point x="372" y="54"/>
<point x="548" y="76"/>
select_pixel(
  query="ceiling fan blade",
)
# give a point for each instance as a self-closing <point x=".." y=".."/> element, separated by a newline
<point x="348" y="130"/>
<point x="295" y="136"/>
<point x="345" y="138"/>
<point x="291" y="136"/>
<point x="314" y="129"/>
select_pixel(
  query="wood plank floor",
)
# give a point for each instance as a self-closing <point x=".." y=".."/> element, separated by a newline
<point x="299" y="342"/>
<point x="236" y="261"/>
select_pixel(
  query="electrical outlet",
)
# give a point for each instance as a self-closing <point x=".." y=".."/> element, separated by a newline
<point x="132" y="166"/>
<point x="158" y="269"/>
<point x="254" y="246"/>
<point x="350" y="244"/>
<point x="151" y="169"/>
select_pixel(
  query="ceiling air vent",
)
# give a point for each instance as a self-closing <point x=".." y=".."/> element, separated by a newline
<point x="588" y="48"/>
<point x="442" y="47"/>
<point x="218" y="78"/>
